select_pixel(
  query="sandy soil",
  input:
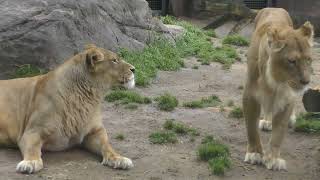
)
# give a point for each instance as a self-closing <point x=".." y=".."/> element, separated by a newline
<point x="178" y="161"/>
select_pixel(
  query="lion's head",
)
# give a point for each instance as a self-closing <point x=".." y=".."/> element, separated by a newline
<point x="108" y="67"/>
<point x="290" y="55"/>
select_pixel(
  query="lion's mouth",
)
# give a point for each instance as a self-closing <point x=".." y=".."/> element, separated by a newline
<point x="128" y="83"/>
<point x="297" y="86"/>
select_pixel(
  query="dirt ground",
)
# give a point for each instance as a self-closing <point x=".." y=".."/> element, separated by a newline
<point x="178" y="161"/>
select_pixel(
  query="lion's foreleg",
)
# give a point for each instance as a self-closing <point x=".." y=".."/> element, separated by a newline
<point x="30" y="146"/>
<point x="252" y="109"/>
<point x="97" y="141"/>
<point x="280" y="120"/>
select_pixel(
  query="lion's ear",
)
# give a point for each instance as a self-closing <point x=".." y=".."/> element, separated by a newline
<point x="307" y="30"/>
<point x="274" y="41"/>
<point x="93" y="56"/>
<point x="89" y="46"/>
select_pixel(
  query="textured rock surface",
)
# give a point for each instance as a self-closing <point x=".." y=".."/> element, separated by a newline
<point x="46" y="32"/>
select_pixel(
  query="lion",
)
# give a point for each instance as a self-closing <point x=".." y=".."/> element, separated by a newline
<point x="62" y="109"/>
<point x="279" y="69"/>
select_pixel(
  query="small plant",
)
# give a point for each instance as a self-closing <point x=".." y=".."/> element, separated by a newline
<point x="230" y="103"/>
<point x="167" y="102"/>
<point x="216" y="154"/>
<point x="211" y="101"/>
<point x="168" y="19"/>
<point x="236" y="112"/>
<point x="180" y="128"/>
<point x="308" y="122"/>
<point x="120" y="137"/>
<point x="126" y="97"/>
<point x="222" y="109"/>
<point x="236" y="40"/>
<point x="219" y="165"/>
<point x="195" y="67"/>
<point x="27" y="70"/>
<point x="162" y="137"/>
<point x="210" y="33"/>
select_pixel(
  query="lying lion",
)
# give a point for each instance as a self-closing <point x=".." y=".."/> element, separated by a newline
<point x="279" y="68"/>
<point x="62" y="108"/>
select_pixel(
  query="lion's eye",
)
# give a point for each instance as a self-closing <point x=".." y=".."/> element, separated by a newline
<point x="115" y="61"/>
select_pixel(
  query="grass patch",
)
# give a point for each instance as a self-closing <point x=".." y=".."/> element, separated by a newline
<point x="167" y="56"/>
<point x="162" y="137"/>
<point x="167" y="102"/>
<point x="180" y="128"/>
<point x="308" y="122"/>
<point x="27" y="70"/>
<point x="120" y="137"/>
<point x="236" y="112"/>
<point x="236" y="40"/>
<point x="210" y="33"/>
<point x="127" y="97"/>
<point x="211" y="101"/>
<point x="216" y="154"/>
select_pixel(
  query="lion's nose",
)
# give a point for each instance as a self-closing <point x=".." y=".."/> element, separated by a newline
<point x="304" y="81"/>
<point x="132" y="70"/>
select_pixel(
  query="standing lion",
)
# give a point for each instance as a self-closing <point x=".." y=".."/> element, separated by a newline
<point x="62" y="108"/>
<point x="279" y="68"/>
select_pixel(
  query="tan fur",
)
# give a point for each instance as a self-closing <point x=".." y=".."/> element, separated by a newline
<point x="62" y="108"/>
<point x="279" y="67"/>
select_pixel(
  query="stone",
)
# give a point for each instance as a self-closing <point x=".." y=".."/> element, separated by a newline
<point x="47" y="32"/>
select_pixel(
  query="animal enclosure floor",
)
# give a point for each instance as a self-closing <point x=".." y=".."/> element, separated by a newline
<point x="178" y="161"/>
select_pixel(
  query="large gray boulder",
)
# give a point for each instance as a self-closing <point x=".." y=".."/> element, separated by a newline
<point x="46" y="32"/>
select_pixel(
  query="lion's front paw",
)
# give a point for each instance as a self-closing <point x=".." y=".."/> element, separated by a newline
<point x="253" y="158"/>
<point x="29" y="167"/>
<point x="275" y="164"/>
<point x="118" y="163"/>
<point x="265" y="125"/>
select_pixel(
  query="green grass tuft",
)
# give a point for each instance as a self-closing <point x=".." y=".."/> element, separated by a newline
<point x="216" y="153"/>
<point x="162" y="137"/>
<point x="168" y="19"/>
<point x="236" y="40"/>
<point x="219" y="165"/>
<point x="308" y="122"/>
<point x="180" y="128"/>
<point x="127" y="97"/>
<point x="236" y="112"/>
<point x="27" y="70"/>
<point x="120" y="137"/>
<point x="167" y="102"/>
<point x="211" y="101"/>
<point x="210" y="33"/>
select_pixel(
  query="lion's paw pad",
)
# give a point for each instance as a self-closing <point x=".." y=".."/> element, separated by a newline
<point x="265" y="125"/>
<point x="119" y="163"/>
<point x="276" y="164"/>
<point x="29" y="167"/>
<point x="253" y="158"/>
